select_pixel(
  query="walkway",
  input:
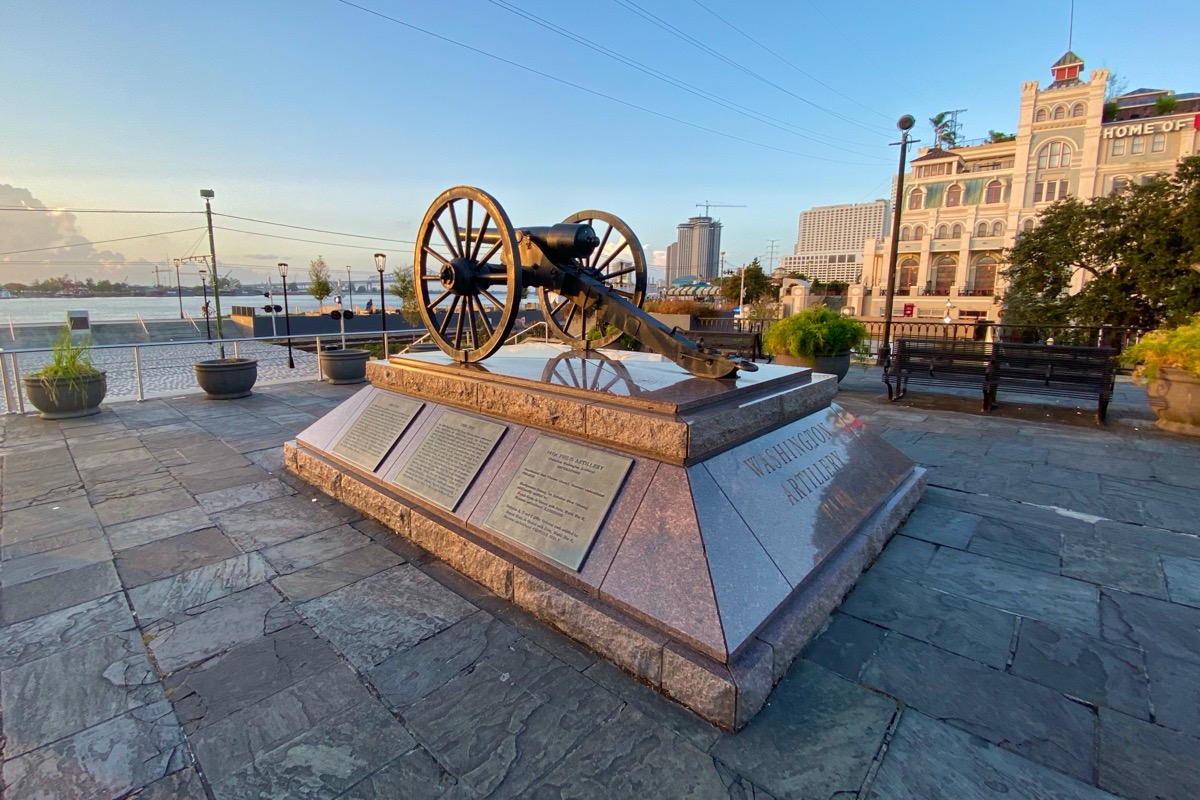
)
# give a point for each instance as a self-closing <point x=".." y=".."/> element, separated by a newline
<point x="180" y="617"/>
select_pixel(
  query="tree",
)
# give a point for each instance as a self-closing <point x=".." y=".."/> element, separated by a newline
<point x="1135" y="248"/>
<point x="402" y="287"/>
<point x="318" y="279"/>
<point x="944" y="132"/>
<point x="757" y="284"/>
<point x="995" y="137"/>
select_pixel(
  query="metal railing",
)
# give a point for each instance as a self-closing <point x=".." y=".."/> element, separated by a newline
<point x="135" y="371"/>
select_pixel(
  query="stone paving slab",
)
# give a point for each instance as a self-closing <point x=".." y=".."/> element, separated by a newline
<point x="1040" y="597"/>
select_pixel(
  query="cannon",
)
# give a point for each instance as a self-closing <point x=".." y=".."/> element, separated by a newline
<point x="471" y="268"/>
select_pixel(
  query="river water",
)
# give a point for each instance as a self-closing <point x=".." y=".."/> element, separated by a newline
<point x="121" y="309"/>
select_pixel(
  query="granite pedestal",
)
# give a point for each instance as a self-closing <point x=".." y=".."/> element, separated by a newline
<point x="695" y="532"/>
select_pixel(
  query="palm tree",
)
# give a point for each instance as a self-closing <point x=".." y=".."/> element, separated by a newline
<point x="943" y="129"/>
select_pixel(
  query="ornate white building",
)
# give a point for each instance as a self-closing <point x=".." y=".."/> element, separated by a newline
<point x="963" y="206"/>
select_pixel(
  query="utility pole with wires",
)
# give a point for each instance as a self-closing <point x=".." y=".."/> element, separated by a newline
<point x="772" y="249"/>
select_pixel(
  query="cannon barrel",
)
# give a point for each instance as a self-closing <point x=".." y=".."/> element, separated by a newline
<point x="564" y="239"/>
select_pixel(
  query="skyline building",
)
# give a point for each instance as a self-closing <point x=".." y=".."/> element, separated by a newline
<point x="829" y="240"/>
<point x="697" y="250"/>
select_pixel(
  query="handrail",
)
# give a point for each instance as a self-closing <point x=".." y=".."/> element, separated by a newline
<point x="526" y="332"/>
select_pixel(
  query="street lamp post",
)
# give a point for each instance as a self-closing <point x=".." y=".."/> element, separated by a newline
<point x="380" y="264"/>
<point x="204" y="289"/>
<point x="178" y="289"/>
<point x="350" y="287"/>
<point x="208" y="195"/>
<point x="287" y="317"/>
<point x="905" y="124"/>
<point x="946" y="319"/>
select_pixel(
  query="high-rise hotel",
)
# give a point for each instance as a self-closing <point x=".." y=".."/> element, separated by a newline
<point x="963" y="205"/>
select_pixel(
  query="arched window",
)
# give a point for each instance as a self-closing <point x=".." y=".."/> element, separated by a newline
<point x="1054" y="155"/>
<point x="954" y="195"/>
<point x="1040" y="115"/>
<point x="1060" y="112"/>
<point x="1078" y="110"/>
<point x="981" y="229"/>
<point x="944" y="270"/>
<point x="907" y="274"/>
<point x="919" y="232"/>
<point x="956" y="231"/>
<point x="985" y="275"/>
<point x="997" y="228"/>
<point x="943" y="232"/>
<point x="1119" y="184"/>
<point x="994" y="192"/>
<point x="914" y="199"/>
<point x="1028" y="225"/>
<point x="905" y="233"/>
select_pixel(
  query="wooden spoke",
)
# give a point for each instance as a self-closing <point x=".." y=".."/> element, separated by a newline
<point x="439" y="257"/>
<point x="458" y="329"/>
<point x="490" y="253"/>
<point x="619" y="273"/>
<point x="487" y="326"/>
<point x="613" y="255"/>
<point x="570" y="316"/>
<point x="446" y="319"/>
<point x="478" y="242"/>
<point x="491" y="298"/>
<point x="554" y="311"/>
<point x="438" y="224"/>
<point x="439" y="300"/>
<point x="600" y="247"/>
<point x="467" y="248"/>
<point x="457" y="249"/>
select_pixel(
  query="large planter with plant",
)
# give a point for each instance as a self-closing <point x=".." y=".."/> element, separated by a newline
<point x="816" y="337"/>
<point x="344" y="365"/>
<point x="227" y="378"/>
<point x="69" y="386"/>
<point x="1168" y="363"/>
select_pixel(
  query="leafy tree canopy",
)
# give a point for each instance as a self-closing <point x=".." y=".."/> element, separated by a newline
<point x="1135" y="248"/>
<point x="319" y="285"/>
<point x="758" y="284"/>
<point x="402" y="287"/>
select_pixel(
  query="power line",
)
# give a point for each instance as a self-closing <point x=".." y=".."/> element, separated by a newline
<point x="677" y="33"/>
<point x="806" y="74"/>
<point x="94" y="210"/>
<point x="594" y="92"/>
<point x="313" y="230"/>
<point x="100" y="241"/>
<point x="692" y="89"/>
<point x="308" y="241"/>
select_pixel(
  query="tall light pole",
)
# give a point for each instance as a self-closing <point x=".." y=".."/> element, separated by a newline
<point x="380" y="265"/>
<point x="178" y="289"/>
<point x="208" y="195"/>
<point x="287" y="317"/>
<point x="905" y="124"/>
<point x="204" y="288"/>
<point x="350" y="286"/>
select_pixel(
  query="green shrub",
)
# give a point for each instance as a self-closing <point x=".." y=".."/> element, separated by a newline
<point x="1170" y="347"/>
<point x="816" y="331"/>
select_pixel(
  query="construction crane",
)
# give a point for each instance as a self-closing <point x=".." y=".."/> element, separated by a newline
<point x="158" y="269"/>
<point x="707" y="205"/>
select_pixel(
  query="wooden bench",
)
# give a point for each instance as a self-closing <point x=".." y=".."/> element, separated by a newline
<point x="1059" y="370"/>
<point x="743" y="344"/>
<point x="951" y="363"/>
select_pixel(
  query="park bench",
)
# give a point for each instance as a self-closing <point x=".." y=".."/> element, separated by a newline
<point x="1058" y="370"/>
<point x="744" y="344"/>
<point x="948" y="363"/>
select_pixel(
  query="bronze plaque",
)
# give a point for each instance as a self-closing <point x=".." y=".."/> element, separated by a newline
<point x="445" y="463"/>
<point x="558" y="498"/>
<point x="376" y="430"/>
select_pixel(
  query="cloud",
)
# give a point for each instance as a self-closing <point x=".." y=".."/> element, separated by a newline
<point x="48" y="235"/>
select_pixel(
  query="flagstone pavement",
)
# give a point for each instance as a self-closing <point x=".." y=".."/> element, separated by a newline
<point x="179" y="618"/>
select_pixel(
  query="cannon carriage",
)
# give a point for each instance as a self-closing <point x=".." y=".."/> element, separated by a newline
<point x="472" y="266"/>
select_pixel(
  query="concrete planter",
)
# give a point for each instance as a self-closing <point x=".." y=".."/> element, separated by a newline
<point x="1175" y="398"/>
<point x="344" y="366"/>
<point x="64" y="398"/>
<point x="838" y="364"/>
<point x="227" y="378"/>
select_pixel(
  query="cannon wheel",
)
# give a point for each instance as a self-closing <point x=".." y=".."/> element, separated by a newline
<point x="618" y="261"/>
<point x="465" y="265"/>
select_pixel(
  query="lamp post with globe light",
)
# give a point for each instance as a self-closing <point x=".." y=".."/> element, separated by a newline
<point x="380" y="265"/>
<point x="287" y="317"/>
<point x="905" y="124"/>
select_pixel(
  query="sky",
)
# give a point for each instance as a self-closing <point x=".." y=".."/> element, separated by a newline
<point x="351" y="117"/>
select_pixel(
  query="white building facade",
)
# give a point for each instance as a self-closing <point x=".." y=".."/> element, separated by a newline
<point x="963" y="206"/>
<point x="829" y="240"/>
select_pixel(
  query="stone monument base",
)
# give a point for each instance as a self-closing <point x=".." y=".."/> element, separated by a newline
<point x="694" y="532"/>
